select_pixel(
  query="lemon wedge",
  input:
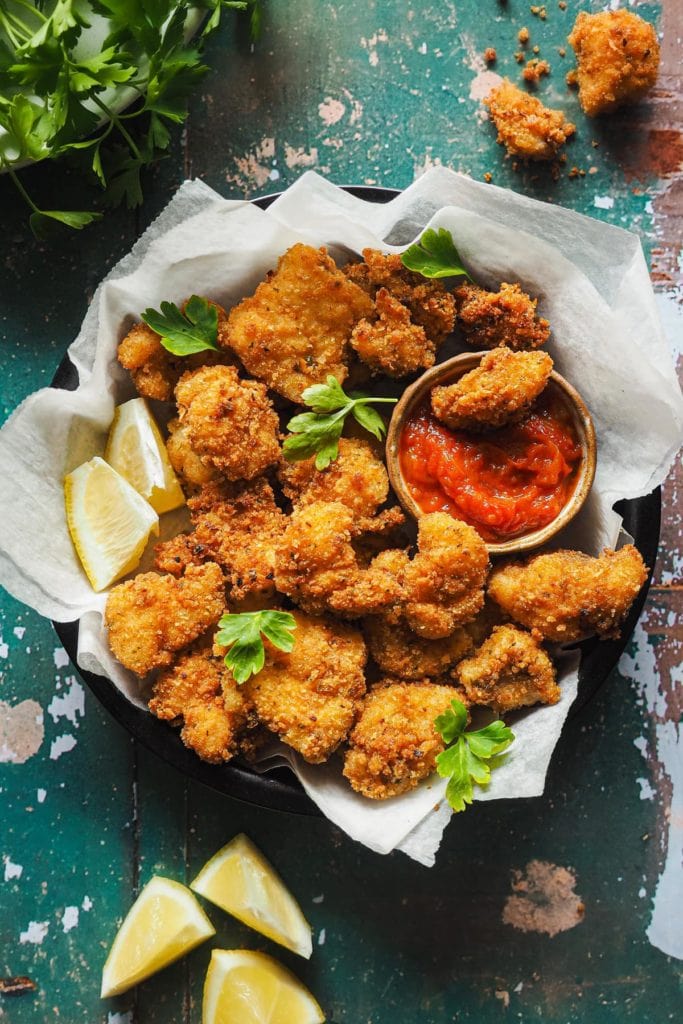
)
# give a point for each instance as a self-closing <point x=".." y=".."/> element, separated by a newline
<point x="164" y="923"/>
<point x="240" y="880"/>
<point x="108" y="521"/>
<point x="136" y="450"/>
<point x="243" y="987"/>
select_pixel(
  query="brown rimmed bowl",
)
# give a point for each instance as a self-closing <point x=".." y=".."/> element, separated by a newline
<point x="448" y="372"/>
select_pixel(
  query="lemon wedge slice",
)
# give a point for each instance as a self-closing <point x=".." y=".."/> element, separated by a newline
<point x="164" y="923"/>
<point x="136" y="450"/>
<point x="108" y="521"/>
<point x="252" y="988"/>
<point x="240" y="880"/>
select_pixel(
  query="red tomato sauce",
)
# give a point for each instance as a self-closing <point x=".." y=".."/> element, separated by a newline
<point x="506" y="482"/>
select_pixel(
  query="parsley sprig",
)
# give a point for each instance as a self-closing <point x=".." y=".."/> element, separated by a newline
<point x="193" y="330"/>
<point x="318" y="432"/>
<point x="434" y="255"/>
<point x="56" y="100"/>
<point x="243" y="633"/>
<point x="465" y="759"/>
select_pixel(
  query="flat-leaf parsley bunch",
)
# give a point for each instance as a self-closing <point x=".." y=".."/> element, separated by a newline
<point x="55" y="100"/>
<point x="469" y="756"/>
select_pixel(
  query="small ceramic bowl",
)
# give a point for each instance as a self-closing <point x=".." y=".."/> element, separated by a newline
<point x="448" y="372"/>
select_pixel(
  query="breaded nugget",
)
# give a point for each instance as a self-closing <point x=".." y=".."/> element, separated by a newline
<point x="506" y="317"/>
<point x="510" y="670"/>
<point x="618" y="58"/>
<point x="189" y="466"/>
<point x="199" y="693"/>
<point x="237" y="526"/>
<point x="394" y="744"/>
<point x="431" y="305"/>
<point x="400" y="652"/>
<point x="317" y="566"/>
<point x="151" y="617"/>
<point x="393" y="344"/>
<point x="525" y="127"/>
<point x="444" y="582"/>
<point x="309" y="697"/>
<point x="357" y="478"/>
<point x="230" y="423"/>
<point x="155" y="370"/>
<point x="566" y="595"/>
<point x="498" y="391"/>
<point x="295" y="329"/>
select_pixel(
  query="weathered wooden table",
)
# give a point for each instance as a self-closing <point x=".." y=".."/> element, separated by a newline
<point x="371" y="92"/>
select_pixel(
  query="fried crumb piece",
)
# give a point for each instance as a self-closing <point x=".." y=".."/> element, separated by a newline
<point x="562" y="5"/>
<point x="510" y="670"/>
<point x="519" y="57"/>
<point x="572" y="78"/>
<point x="488" y="176"/>
<point x="506" y="317"/>
<point x="535" y="69"/>
<point x="617" y="53"/>
<point x="490" y="55"/>
<point x="523" y="35"/>
<point x="393" y="344"/>
<point x="536" y="49"/>
<point x="525" y="126"/>
<point x="562" y="52"/>
<point x="577" y="172"/>
<point x="539" y="11"/>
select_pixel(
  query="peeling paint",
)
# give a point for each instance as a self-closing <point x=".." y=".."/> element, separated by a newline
<point x="21" y="731"/>
<point x="70" y="705"/>
<point x="299" y="157"/>
<point x="69" y="919"/>
<point x="543" y="899"/>
<point x="330" y="111"/>
<point x="12" y="870"/>
<point x="60" y="657"/>
<point x="62" y="745"/>
<point x="482" y="85"/>
<point x="253" y="169"/>
<point x="35" y="933"/>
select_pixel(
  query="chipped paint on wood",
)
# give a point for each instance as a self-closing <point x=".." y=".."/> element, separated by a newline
<point x="543" y="899"/>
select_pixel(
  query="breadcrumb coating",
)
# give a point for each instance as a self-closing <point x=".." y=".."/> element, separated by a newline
<point x="498" y="391"/>
<point x="567" y="595"/>
<point x="294" y="330"/>
<point x="525" y="127"/>
<point x="394" y="744"/>
<point x="618" y="59"/>
<point x="510" y="670"/>
<point x="357" y="478"/>
<point x="393" y="344"/>
<point x="230" y="422"/>
<point x="151" y="617"/>
<point x="400" y="652"/>
<point x="506" y="317"/>
<point x="309" y="697"/>
<point x="189" y="466"/>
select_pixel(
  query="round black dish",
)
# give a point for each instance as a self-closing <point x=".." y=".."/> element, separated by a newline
<point x="280" y="789"/>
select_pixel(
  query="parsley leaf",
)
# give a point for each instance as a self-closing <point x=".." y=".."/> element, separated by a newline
<point x="434" y="255"/>
<point x="242" y="633"/>
<point x="464" y="761"/>
<point x="185" y="333"/>
<point x="318" y="432"/>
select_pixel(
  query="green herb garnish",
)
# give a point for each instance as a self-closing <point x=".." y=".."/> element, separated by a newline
<point x="318" y="432"/>
<point x="464" y="761"/>
<point x="242" y="631"/>
<point x="434" y="255"/>
<point x="185" y="333"/>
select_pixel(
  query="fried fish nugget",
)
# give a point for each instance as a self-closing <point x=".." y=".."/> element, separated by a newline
<point x="444" y="582"/>
<point x="185" y="461"/>
<point x="151" y="617"/>
<point x="431" y="305"/>
<point x="567" y="595"/>
<point x="230" y="423"/>
<point x="510" y="670"/>
<point x="294" y="330"/>
<point x="357" y="478"/>
<point x="618" y="59"/>
<point x="400" y="652"/>
<point x="498" y="391"/>
<point x="309" y="696"/>
<point x="199" y="693"/>
<point x="503" y="318"/>
<point x="394" y="744"/>
<point x="393" y="344"/>
<point x="525" y="127"/>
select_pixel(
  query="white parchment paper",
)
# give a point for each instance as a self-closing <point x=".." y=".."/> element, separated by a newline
<point x="593" y="286"/>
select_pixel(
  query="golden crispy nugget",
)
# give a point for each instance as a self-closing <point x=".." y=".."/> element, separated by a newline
<point x="618" y="59"/>
<point x="498" y="391"/>
<point x="229" y="422"/>
<point x="357" y="478"/>
<point x="294" y="330"/>
<point x="525" y="127"/>
<point x="510" y="670"/>
<point x="309" y="697"/>
<point x="400" y="652"/>
<point x="506" y="317"/>
<point x="151" y="617"/>
<point x="394" y="744"/>
<point x="566" y="595"/>
<point x="393" y="344"/>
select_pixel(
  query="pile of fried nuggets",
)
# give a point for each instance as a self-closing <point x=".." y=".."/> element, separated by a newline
<point x="384" y="638"/>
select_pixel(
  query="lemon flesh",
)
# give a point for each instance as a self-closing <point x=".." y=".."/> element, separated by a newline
<point x="164" y="923"/>
<point x="243" y="987"/>
<point x="136" y="450"/>
<point x="108" y="521"/>
<point x="240" y="880"/>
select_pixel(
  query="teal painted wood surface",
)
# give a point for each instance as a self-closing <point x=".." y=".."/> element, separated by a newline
<point x="366" y="93"/>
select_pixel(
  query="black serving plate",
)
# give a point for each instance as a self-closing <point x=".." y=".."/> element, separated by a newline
<point x="280" y="789"/>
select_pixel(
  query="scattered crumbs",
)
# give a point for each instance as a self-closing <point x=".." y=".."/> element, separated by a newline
<point x="523" y="35"/>
<point x="518" y="988"/>
<point x="61" y="658"/>
<point x="86" y="904"/>
<point x="562" y="5"/>
<point x="562" y="52"/>
<point x="536" y="48"/>
<point x="572" y="78"/>
<point x="594" y="143"/>
<point x="519" y="57"/>
<point x="40" y="795"/>
<point x="488" y="176"/>
<point x="19" y="632"/>
<point x="321" y="937"/>
<point x="35" y="933"/>
<point x="603" y="202"/>
<point x="534" y="69"/>
<point x="504" y="997"/>
<point x="490" y="55"/>
<point x="539" y="12"/>
<point x="62" y="745"/>
<point x="69" y="919"/>
<point x="11" y="870"/>
<point x="576" y="172"/>
<point x="318" y="899"/>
